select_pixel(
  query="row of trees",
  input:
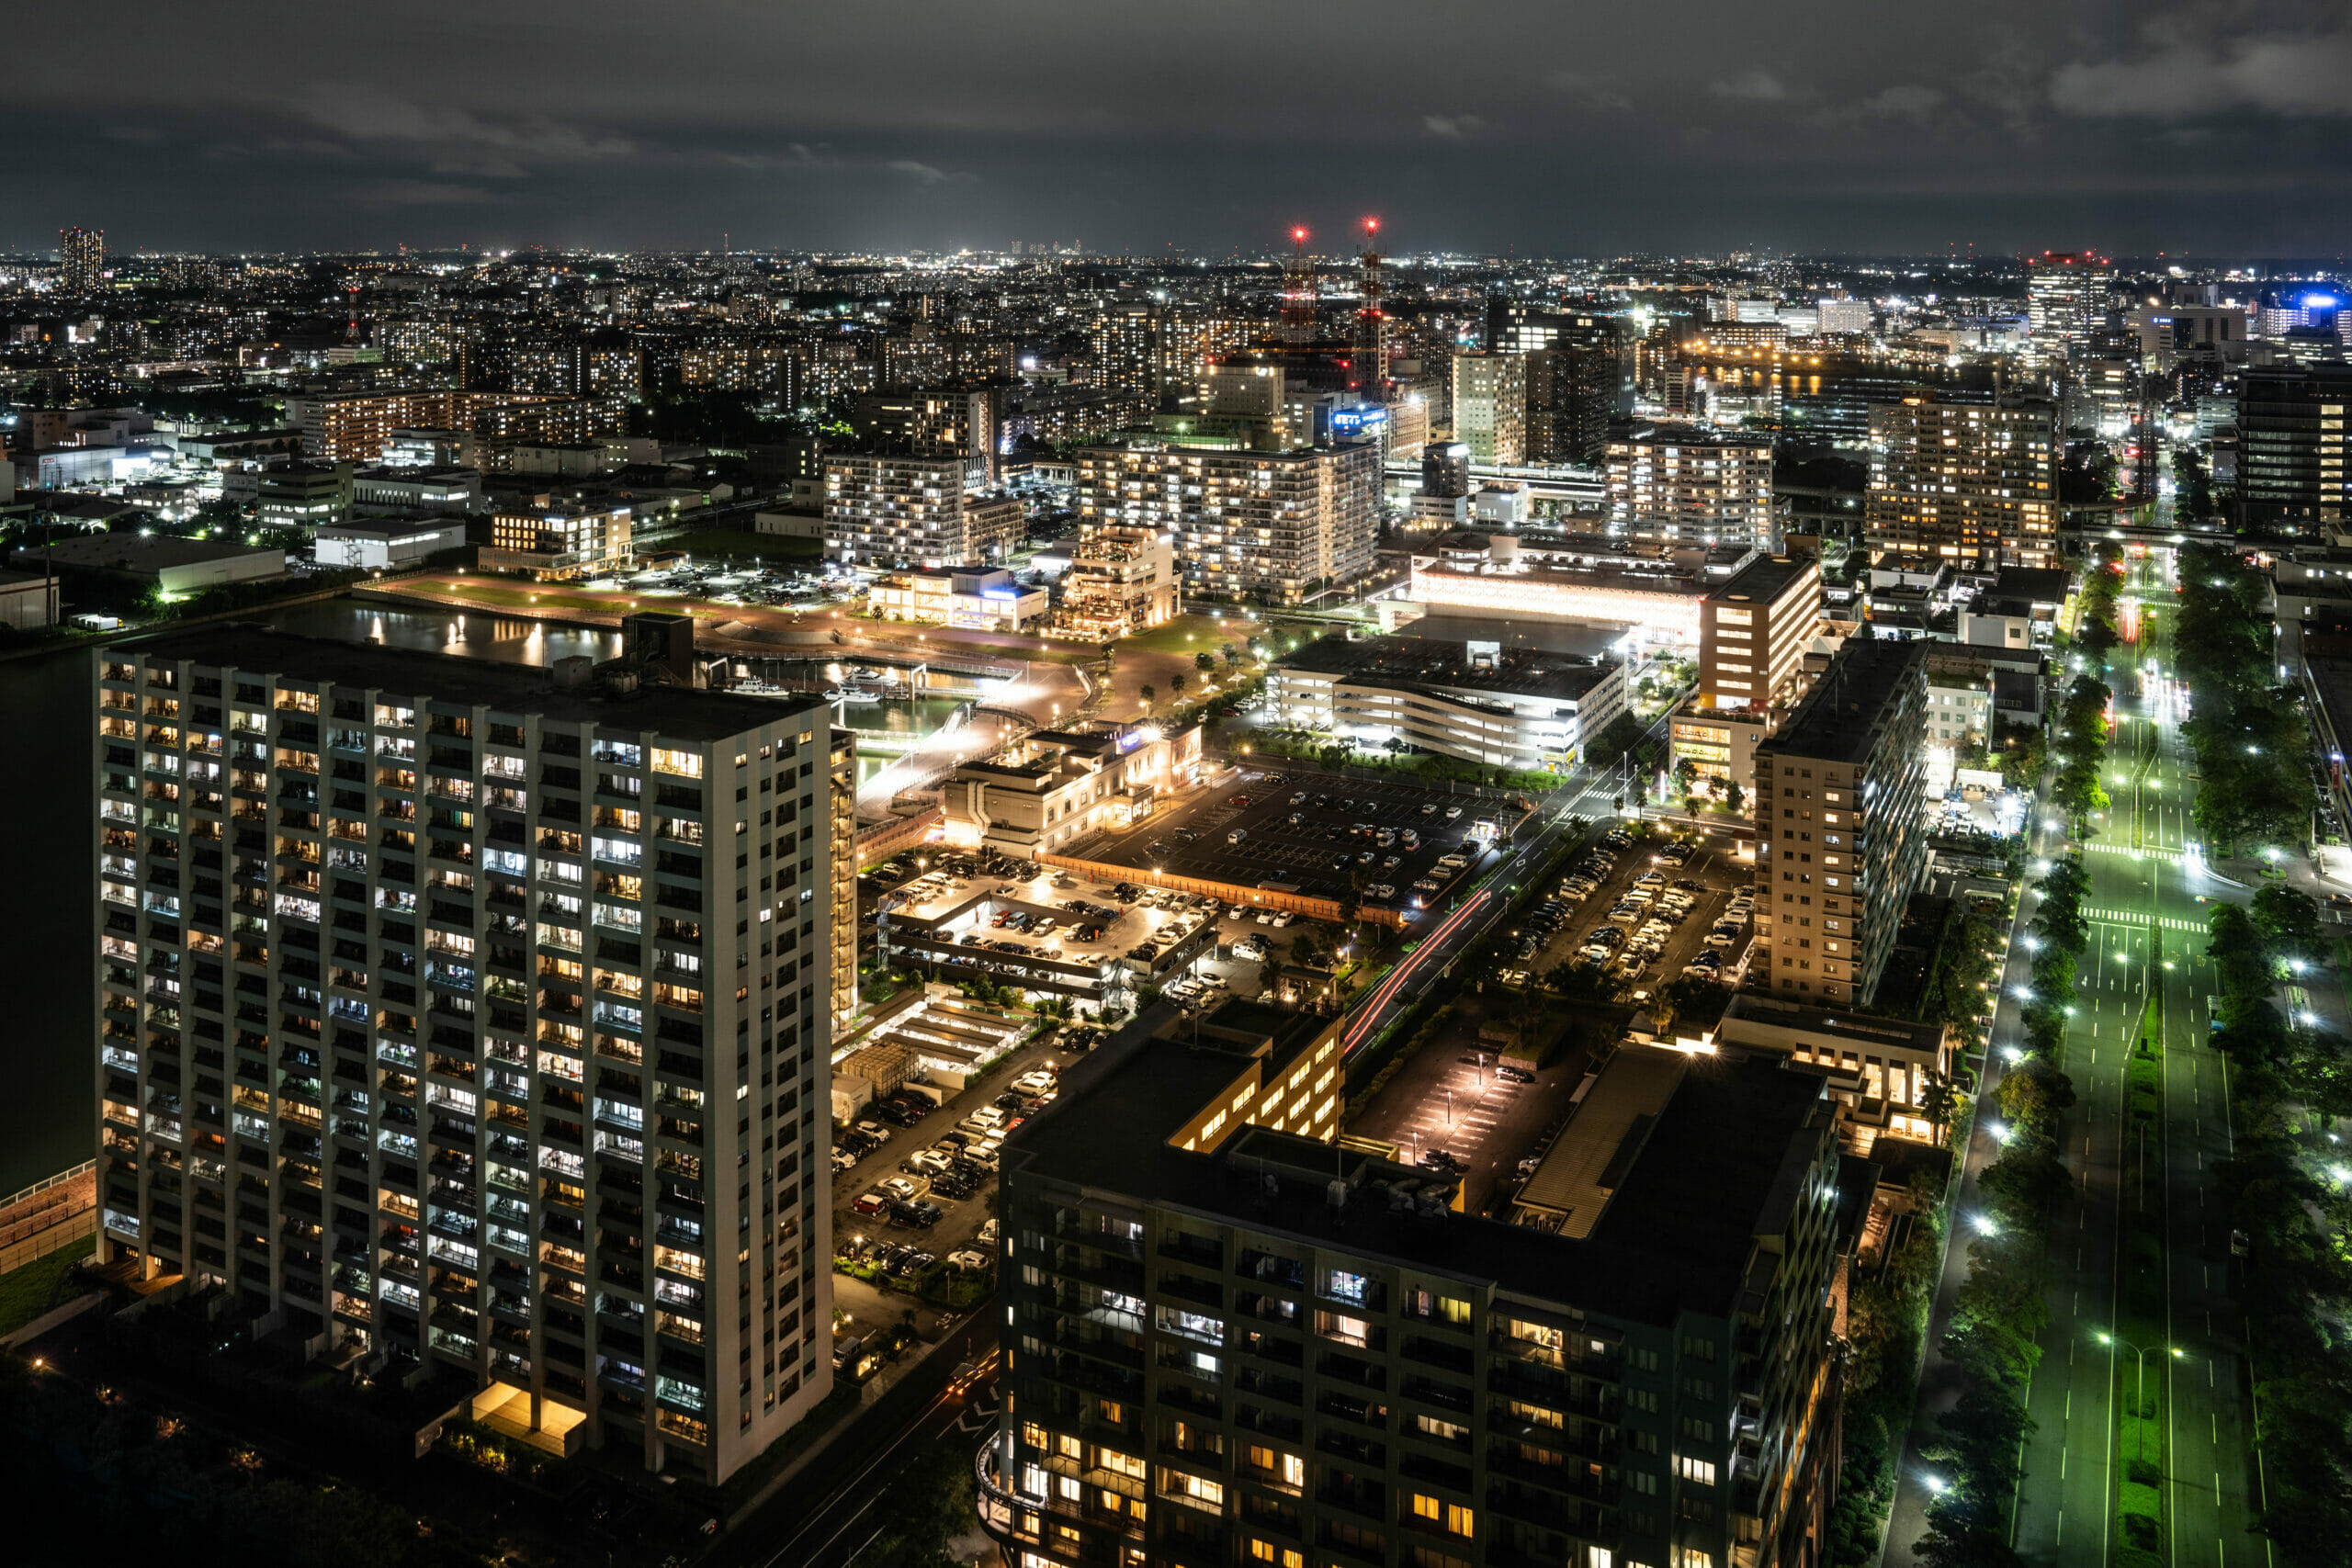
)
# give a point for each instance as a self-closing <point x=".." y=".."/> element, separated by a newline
<point x="2256" y="787"/>
<point x="2082" y="712"/>
<point x="2288" y="1085"/>
<point x="1999" y="1310"/>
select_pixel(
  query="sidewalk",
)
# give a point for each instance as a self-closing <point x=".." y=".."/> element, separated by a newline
<point x="1940" y="1384"/>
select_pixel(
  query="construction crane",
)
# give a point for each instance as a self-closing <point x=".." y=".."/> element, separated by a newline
<point x="1298" y="292"/>
<point x="1371" y="322"/>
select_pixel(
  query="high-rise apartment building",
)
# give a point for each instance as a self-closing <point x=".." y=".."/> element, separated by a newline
<point x="1754" y="629"/>
<point x="2065" y="294"/>
<point x="897" y="509"/>
<point x="1227" y="1341"/>
<point x="934" y="423"/>
<point x="1974" y="485"/>
<point x="1282" y="524"/>
<point x="1840" y="834"/>
<point x="1689" y="484"/>
<point x="1578" y="376"/>
<point x="2291" y="445"/>
<point x="478" y="1016"/>
<point x="1489" y="402"/>
<point x="1125" y="341"/>
<point x="81" y="260"/>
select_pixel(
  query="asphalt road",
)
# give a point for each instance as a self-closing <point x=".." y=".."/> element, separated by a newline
<point x="2148" y="905"/>
<point x="804" y="1527"/>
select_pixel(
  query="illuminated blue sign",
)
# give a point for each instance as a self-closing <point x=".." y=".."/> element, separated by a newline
<point x="999" y="593"/>
<point x="1358" y="418"/>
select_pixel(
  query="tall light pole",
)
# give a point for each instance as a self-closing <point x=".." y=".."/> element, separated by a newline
<point x="2140" y="1388"/>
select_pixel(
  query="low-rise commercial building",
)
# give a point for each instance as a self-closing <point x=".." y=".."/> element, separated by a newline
<point x="172" y="566"/>
<point x="304" y="495"/>
<point x="1880" y="1069"/>
<point x="984" y="598"/>
<point x="1056" y="787"/>
<point x="560" y="541"/>
<point x="1119" y="581"/>
<point x="379" y="546"/>
<point x="416" y="492"/>
<point x="1841" y="843"/>
<point x="1483" y="702"/>
<point x="27" y="601"/>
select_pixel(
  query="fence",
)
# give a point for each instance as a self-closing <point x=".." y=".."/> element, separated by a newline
<point x="1228" y="892"/>
<point x="885" y="838"/>
<point x="53" y="1213"/>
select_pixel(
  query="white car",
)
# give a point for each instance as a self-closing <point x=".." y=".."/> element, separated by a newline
<point x="1286" y="917"/>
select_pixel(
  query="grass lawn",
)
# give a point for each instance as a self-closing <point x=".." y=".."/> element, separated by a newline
<point x="1193" y="634"/>
<point x="745" y="542"/>
<point x="25" y="1292"/>
<point x="501" y="595"/>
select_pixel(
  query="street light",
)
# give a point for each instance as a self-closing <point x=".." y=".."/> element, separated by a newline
<point x="2140" y="1389"/>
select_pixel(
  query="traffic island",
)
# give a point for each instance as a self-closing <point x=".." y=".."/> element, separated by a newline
<point x="2140" y="1342"/>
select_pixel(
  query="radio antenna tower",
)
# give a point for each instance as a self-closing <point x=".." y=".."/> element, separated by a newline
<point x="1372" y="326"/>
<point x="1298" y="293"/>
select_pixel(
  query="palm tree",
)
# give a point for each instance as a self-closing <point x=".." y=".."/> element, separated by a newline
<point x="1148" y="693"/>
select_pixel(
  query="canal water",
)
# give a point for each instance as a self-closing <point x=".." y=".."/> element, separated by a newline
<point x="48" y="1087"/>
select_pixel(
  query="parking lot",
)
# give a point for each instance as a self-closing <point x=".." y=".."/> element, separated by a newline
<point x="962" y="1209"/>
<point x="1306" y="831"/>
<point x="993" y="915"/>
<point x="1460" y="1108"/>
<point x="1646" y="908"/>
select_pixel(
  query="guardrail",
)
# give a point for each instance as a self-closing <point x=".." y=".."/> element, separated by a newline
<point x="86" y="1168"/>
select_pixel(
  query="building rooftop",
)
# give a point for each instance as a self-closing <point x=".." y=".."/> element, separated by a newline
<point x="1837" y="718"/>
<point x="1763" y="579"/>
<point x="2030" y="585"/>
<point x="1430" y="661"/>
<point x="1749" y="1014"/>
<point x="1596" y="1151"/>
<point x="1723" y="1162"/>
<point x="1574" y="640"/>
<point x="126" y="551"/>
<point x="679" y="712"/>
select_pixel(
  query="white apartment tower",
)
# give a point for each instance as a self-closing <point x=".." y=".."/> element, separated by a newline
<point x="475" y="1016"/>
<point x="1277" y="524"/>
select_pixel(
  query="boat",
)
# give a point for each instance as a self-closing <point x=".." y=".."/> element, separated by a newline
<point x="852" y="694"/>
<point x="863" y="672"/>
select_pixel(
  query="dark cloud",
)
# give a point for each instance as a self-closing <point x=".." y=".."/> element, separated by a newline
<point x="1210" y="125"/>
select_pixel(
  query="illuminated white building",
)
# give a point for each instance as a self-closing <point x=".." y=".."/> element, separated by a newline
<point x="1056" y="787"/>
<point x="1512" y="709"/>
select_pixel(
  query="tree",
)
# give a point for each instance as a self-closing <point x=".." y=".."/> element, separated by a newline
<point x="1148" y="693"/>
<point x="1232" y="656"/>
<point x="1176" y="686"/>
<point x="1205" y="663"/>
<point x="928" y="1504"/>
<point x="2288" y="918"/>
<point x="1735" y="799"/>
<point x="1624" y="732"/>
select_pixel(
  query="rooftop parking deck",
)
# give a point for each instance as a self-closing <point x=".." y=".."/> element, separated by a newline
<point x="1293" y="830"/>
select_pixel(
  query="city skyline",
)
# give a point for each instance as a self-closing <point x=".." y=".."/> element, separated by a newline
<point x="1822" y="126"/>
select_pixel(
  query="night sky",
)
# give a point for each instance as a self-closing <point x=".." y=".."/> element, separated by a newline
<point x="2215" y="129"/>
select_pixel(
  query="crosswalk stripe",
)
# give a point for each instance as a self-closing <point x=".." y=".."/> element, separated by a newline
<point x="2122" y="916"/>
